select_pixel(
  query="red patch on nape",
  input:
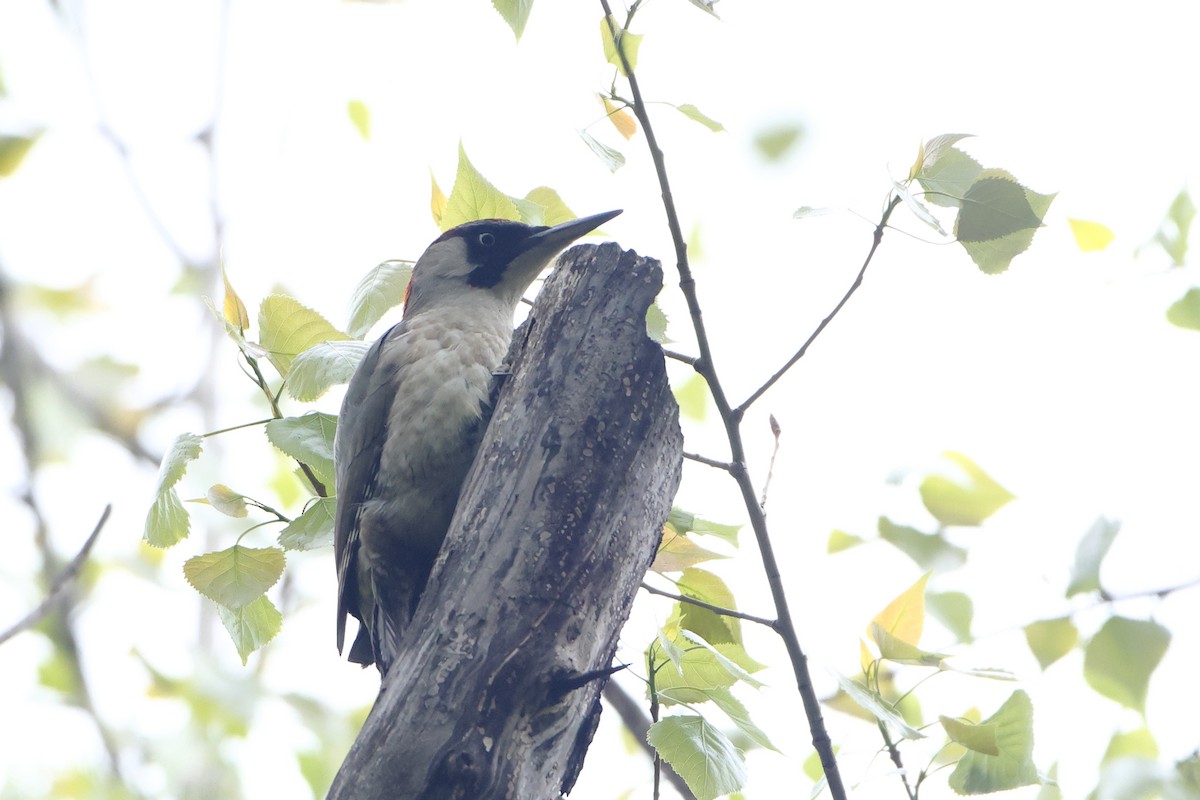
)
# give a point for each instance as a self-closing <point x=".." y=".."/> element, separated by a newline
<point x="407" y="292"/>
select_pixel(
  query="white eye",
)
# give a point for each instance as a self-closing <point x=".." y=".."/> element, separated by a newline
<point x="487" y="239"/>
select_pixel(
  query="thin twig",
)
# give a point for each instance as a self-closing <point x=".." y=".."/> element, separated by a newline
<point x="636" y="721"/>
<point x="724" y="612"/>
<point x="60" y="584"/>
<point x="686" y="359"/>
<point x="731" y="420"/>
<point x="799" y="354"/>
<point x="709" y="462"/>
<point x="775" y="431"/>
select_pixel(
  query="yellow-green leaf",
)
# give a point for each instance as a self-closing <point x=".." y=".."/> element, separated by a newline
<point x="380" y="290"/>
<point x="839" y="540"/>
<point x="515" y="13"/>
<point x="13" y="150"/>
<point x="251" y="626"/>
<point x="696" y="115"/>
<point x="1185" y="312"/>
<point x="1090" y="236"/>
<point x="226" y="500"/>
<point x="437" y="201"/>
<point x="904" y="617"/>
<point x="234" y="309"/>
<point x="360" y="115"/>
<point x="167" y="522"/>
<point x="474" y="197"/>
<point x="1138" y="743"/>
<point x="621" y="119"/>
<point x="308" y="439"/>
<point x="700" y="754"/>
<point x="693" y="397"/>
<point x="554" y="210"/>
<point x="235" y="576"/>
<point x="1120" y="658"/>
<point x="1051" y="639"/>
<point x="287" y="328"/>
<point x="313" y="528"/>
<point x="629" y="44"/>
<point x="1012" y="766"/>
<point x="980" y="738"/>
<point x="677" y="552"/>
<point x="1093" y="547"/>
<point x="959" y="501"/>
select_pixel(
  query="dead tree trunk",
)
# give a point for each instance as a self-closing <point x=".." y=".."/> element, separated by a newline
<point x="496" y="692"/>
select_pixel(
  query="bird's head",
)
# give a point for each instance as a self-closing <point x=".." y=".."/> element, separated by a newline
<point x="498" y="256"/>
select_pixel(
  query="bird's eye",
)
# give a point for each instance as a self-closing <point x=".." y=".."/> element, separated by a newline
<point x="487" y="239"/>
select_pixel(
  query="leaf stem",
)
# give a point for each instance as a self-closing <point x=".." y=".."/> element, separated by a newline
<point x="724" y="612"/>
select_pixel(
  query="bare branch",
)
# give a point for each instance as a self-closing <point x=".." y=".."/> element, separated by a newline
<point x="710" y="462"/>
<point x="724" y="612"/>
<point x="60" y="584"/>
<point x="799" y="354"/>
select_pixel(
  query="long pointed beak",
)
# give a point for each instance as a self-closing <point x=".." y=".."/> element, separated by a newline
<point x="558" y="237"/>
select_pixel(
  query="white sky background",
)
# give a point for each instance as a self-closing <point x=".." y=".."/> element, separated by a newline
<point x="1061" y="377"/>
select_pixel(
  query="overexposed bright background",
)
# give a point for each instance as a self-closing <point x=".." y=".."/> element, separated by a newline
<point x="1061" y="377"/>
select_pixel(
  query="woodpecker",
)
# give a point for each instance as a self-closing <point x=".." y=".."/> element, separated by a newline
<point x="414" y="414"/>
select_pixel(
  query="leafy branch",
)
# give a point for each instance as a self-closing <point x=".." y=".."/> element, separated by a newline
<point x="706" y="367"/>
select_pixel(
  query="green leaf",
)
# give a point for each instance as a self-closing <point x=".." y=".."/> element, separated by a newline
<point x="323" y="366"/>
<point x="1172" y="234"/>
<point x="1093" y="547"/>
<point x="474" y="197"/>
<point x="227" y="501"/>
<point x="252" y="625"/>
<point x="693" y="398"/>
<point x="1185" y="312"/>
<point x="804" y="212"/>
<point x="945" y="172"/>
<point x="611" y="158"/>
<point x="1120" y="658"/>
<point x="13" y="150"/>
<point x="167" y="521"/>
<point x="963" y="502"/>
<point x="876" y="706"/>
<point x="360" y="115"/>
<point x="713" y="628"/>
<point x="918" y="208"/>
<point x="515" y="13"/>
<point x="685" y="522"/>
<point x="775" y="142"/>
<point x="998" y="220"/>
<point x="1090" y="236"/>
<point x="1138" y="743"/>
<point x="840" y="540"/>
<point x="1051" y="639"/>
<point x="235" y="576"/>
<point x="994" y="206"/>
<point x="981" y="773"/>
<point x="308" y="439"/>
<point x="736" y="711"/>
<point x="313" y="528"/>
<point x="696" y="115"/>
<point x="980" y="738"/>
<point x="287" y="328"/>
<point x="677" y="553"/>
<point x="896" y="649"/>
<point x="700" y="754"/>
<point x="954" y="610"/>
<point x="554" y="210"/>
<point x="381" y="289"/>
<point x="931" y="551"/>
<point x="629" y="44"/>
<point x="656" y="324"/>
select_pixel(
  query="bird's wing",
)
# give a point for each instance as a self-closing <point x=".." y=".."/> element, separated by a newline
<point x="357" y="451"/>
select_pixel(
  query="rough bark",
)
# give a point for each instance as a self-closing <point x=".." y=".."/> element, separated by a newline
<point x="496" y="692"/>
